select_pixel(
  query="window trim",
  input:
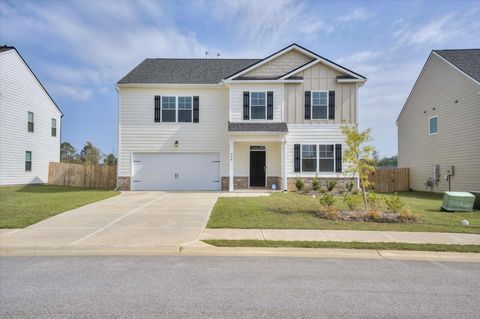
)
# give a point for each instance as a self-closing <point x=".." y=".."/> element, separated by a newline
<point x="317" y="171"/>
<point x="301" y="158"/>
<point x="311" y="105"/>
<point x="429" y="125"/>
<point x="28" y="122"/>
<point x="176" y="108"/>
<point x="30" y="161"/>
<point x="250" y="105"/>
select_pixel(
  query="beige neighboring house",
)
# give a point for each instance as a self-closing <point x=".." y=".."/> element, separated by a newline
<point x="439" y="125"/>
<point x="230" y="124"/>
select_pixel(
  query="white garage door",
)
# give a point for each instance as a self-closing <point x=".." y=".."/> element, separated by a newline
<point x="176" y="171"/>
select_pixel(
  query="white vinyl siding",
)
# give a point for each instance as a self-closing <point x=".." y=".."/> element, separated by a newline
<point x="445" y="92"/>
<point x="236" y="100"/>
<point x="138" y="133"/>
<point x="21" y="93"/>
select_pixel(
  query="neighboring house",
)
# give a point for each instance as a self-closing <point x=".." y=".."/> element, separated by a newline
<point x="228" y="124"/>
<point x="439" y="125"/>
<point x="29" y="123"/>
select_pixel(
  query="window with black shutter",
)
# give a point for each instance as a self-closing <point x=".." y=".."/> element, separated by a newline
<point x="307" y="105"/>
<point x="196" y="109"/>
<point x="269" y="105"/>
<point x="157" y="109"/>
<point x="338" y="158"/>
<point x="296" y="158"/>
<point x="331" y="105"/>
<point x="246" y="105"/>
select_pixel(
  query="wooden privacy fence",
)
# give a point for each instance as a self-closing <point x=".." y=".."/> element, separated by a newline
<point x="392" y="179"/>
<point x="78" y="175"/>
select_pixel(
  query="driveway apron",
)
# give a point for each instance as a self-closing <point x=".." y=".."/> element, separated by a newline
<point x="131" y="219"/>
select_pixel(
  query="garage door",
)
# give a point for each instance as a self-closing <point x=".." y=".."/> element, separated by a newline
<point x="176" y="171"/>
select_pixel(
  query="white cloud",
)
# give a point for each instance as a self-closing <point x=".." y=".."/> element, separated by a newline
<point x="359" y="14"/>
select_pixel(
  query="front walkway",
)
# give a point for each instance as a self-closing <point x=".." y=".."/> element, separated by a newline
<point x="342" y="235"/>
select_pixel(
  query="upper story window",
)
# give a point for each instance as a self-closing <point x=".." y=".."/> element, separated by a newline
<point x="319" y="105"/>
<point x="28" y="160"/>
<point x="309" y="158"/>
<point x="169" y="109"/>
<point x="433" y="125"/>
<point x="258" y="106"/>
<point x="54" y="127"/>
<point x="184" y="108"/>
<point x="326" y="157"/>
<point x="30" y="121"/>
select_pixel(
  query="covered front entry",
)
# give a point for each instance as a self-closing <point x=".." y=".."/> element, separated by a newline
<point x="176" y="171"/>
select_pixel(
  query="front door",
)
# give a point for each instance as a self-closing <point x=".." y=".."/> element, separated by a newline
<point x="257" y="167"/>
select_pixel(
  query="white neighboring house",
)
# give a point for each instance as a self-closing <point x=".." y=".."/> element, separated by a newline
<point x="29" y="123"/>
<point x="229" y="124"/>
<point x="439" y="125"/>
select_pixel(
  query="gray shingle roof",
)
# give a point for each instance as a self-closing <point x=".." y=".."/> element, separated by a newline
<point x="258" y="127"/>
<point x="185" y="71"/>
<point x="467" y="60"/>
<point x="4" y="48"/>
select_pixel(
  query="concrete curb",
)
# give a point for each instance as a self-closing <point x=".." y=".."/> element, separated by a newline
<point x="243" y="251"/>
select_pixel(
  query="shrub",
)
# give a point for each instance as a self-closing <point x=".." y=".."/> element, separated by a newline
<point x="394" y="203"/>
<point x="299" y="184"/>
<point x="327" y="200"/>
<point x="315" y="183"/>
<point x="331" y="184"/>
<point x="375" y="215"/>
<point x="374" y="200"/>
<point x="405" y="215"/>
<point x="329" y="212"/>
<point x="353" y="201"/>
<point x="349" y="186"/>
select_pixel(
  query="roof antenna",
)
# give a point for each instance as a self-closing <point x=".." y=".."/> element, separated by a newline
<point x="206" y="54"/>
<point x="218" y="55"/>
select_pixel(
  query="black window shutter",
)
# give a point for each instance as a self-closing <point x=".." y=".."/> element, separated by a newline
<point x="338" y="158"/>
<point x="196" y="109"/>
<point x="296" y="158"/>
<point x="331" y="105"/>
<point x="307" y="105"/>
<point x="246" y="105"/>
<point x="270" y="105"/>
<point x="157" y="108"/>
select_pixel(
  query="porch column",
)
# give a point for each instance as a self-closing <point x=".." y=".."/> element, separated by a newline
<point x="284" y="165"/>
<point x="230" y="166"/>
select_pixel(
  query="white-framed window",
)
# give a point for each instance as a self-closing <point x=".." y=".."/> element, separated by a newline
<point x="28" y="161"/>
<point x="326" y="158"/>
<point x="169" y="109"/>
<point x="309" y="158"/>
<point x="30" y="122"/>
<point x="319" y="105"/>
<point x="185" y="108"/>
<point x="54" y="127"/>
<point x="433" y="125"/>
<point x="317" y="158"/>
<point x="258" y="105"/>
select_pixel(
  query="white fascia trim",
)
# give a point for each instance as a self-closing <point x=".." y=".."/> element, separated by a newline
<point x="331" y="65"/>
<point x="292" y="47"/>
<point x="173" y="85"/>
<point x="351" y="81"/>
<point x="263" y="81"/>
<point x="312" y="63"/>
<point x="236" y="133"/>
<point x="438" y="55"/>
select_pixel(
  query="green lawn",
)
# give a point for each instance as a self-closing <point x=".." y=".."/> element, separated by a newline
<point x="344" y="245"/>
<point x="21" y="206"/>
<point x="297" y="211"/>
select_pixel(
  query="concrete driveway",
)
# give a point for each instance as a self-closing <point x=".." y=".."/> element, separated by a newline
<point x="131" y="219"/>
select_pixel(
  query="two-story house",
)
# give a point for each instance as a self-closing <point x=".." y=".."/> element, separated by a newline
<point x="229" y="124"/>
<point x="438" y="127"/>
<point x="29" y="123"/>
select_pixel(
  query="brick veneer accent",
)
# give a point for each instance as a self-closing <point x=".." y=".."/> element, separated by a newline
<point x="241" y="182"/>
<point x="341" y="182"/>
<point x="123" y="183"/>
<point x="274" y="179"/>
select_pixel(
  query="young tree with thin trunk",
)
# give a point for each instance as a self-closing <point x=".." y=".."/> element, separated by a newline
<point x="359" y="155"/>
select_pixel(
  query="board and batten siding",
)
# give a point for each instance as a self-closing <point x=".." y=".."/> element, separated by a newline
<point x="21" y="93"/>
<point x="312" y="134"/>
<point x="458" y="140"/>
<point x="236" y="100"/>
<point x="321" y="77"/>
<point x="139" y="133"/>
<point x="280" y="65"/>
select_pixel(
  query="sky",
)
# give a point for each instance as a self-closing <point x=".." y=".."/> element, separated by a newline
<point x="80" y="49"/>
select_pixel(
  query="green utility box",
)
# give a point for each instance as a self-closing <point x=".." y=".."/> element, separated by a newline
<point x="458" y="201"/>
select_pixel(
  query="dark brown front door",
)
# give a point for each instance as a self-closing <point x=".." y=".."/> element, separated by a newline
<point x="257" y="168"/>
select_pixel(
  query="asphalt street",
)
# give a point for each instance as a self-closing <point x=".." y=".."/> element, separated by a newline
<point x="235" y="287"/>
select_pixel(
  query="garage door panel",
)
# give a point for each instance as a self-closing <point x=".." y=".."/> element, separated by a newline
<point x="176" y="171"/>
